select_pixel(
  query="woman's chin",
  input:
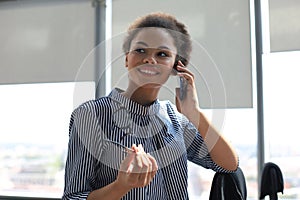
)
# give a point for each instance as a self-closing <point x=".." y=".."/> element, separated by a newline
<point x="151" y="86"/>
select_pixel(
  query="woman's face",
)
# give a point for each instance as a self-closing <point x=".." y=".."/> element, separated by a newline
<point x="151" y="57"/>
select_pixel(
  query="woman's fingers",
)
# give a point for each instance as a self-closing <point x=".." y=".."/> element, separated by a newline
<point x="154" y="168"/>
<point x="126" y="165"/>
<point x="153" y="162"/>
<point x="145" y="168"/>
<point x="183" y="69"/>
<point x="140" y="168"/>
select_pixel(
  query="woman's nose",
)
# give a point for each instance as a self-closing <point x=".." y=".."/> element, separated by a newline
<point x="149" y="58"/>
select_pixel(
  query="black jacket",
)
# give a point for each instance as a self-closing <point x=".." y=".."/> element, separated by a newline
<point x="229" y="186"/>
<point x="271" y="181"/>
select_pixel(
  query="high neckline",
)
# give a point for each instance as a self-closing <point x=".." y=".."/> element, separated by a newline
<point x="133" y="106"/>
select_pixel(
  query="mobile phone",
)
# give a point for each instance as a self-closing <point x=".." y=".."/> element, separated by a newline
<point x="183" y="88"/>
<point x="182" y="84"/>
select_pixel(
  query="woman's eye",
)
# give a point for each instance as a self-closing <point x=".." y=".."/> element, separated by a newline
<point x="163" y="54"/>
<point x="139" y="50"/>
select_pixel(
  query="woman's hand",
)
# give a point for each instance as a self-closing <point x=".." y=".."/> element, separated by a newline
<point x="188" y="106"/>
<point x="219" y="149"/>
<point x="137" y="169"/>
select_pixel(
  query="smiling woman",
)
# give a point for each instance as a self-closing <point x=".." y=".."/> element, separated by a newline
<point x="162" y="136"/>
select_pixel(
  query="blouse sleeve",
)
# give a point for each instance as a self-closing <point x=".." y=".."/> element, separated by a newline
<point x="83" y="150"/>
<point x="197" y="150"/>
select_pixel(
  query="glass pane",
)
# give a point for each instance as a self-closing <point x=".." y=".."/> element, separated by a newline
<point x="281" y="104"/>
<point x="239" y="127"/>
<point x="34" y="135"/>
<point x="284" y="25"/>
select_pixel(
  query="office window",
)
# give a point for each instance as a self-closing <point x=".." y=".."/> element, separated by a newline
<point x="281" y="115"/>
<point x="239" y="127"/>
<point x="34" y="135"/>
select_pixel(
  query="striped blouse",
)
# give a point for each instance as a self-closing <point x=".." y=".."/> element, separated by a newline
<point x="93" y="160"/>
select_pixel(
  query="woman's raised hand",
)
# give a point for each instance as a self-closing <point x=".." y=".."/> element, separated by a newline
<point x="137" y="169"/>
<point x="190" y="103"/>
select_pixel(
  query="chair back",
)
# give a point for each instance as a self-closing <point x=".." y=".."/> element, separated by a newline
<point x="229" y="186"/>
<point x="271" y="181"/>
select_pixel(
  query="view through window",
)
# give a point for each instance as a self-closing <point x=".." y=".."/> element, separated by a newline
<point x="34" y="136"/>
<point x="240" y="129"/>
<point x="281" y="115"/>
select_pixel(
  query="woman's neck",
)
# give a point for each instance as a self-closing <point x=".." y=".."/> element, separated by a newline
<point x="143" y="96"/>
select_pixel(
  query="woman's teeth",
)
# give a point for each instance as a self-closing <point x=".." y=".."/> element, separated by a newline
<point x="148" y="72"/>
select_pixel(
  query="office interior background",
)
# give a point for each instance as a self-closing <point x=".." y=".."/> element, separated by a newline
<point x="54" y="55"/>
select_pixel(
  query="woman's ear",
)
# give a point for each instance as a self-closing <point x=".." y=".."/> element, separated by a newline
<point x="174" y="70"/>
<point x="126" y="60"/>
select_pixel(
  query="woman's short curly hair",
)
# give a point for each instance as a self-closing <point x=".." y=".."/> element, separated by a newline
<point x="162" y="20"/>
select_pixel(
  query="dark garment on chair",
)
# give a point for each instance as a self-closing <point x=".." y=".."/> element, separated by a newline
<point x="271" y="181"/>
<point x="229" y="186"/>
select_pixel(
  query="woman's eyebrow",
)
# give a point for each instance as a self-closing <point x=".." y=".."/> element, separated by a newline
<point x="142" y="43"/>
<point x="146" y="45"/>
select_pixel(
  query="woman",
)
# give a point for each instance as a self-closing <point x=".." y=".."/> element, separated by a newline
<point x="101" y="166"/>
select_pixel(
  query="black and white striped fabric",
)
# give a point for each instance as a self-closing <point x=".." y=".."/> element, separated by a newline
<point x="93" y="161"/>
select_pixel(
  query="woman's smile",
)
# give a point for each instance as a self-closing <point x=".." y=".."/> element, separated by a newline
<point x="148" y="70"/>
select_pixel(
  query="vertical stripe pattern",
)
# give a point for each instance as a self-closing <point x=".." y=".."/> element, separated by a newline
<point x="93" y="161"/>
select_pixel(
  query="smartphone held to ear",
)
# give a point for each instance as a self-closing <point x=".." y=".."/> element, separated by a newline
<point x="182" y="88"/>
<point x="182" y="85"/>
